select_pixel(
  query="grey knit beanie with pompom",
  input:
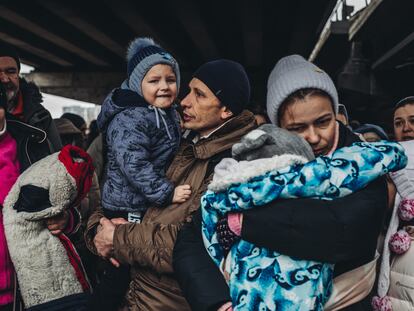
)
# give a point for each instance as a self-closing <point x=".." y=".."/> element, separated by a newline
<point x="142" y="55"/>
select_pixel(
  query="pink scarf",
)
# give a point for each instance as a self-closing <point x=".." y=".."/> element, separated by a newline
<point x="9" y="171"/>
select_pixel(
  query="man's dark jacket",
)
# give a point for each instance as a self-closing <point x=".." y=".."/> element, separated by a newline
<point x="343" y="231"/>
<point x="36" y="133"/>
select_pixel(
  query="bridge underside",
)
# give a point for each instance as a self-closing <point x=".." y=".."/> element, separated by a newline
<point x="372" y="60"/>
<point x="78" y="47"/>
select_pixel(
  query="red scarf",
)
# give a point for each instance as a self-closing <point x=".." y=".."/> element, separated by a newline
<point x="18" y="110"/>
<point x="82" y="171"/>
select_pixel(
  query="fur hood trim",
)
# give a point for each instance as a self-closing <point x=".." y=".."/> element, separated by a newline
<point x="229" y="171"/>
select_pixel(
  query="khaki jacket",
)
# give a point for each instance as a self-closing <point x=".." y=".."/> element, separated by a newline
<point x="148" y="246"/>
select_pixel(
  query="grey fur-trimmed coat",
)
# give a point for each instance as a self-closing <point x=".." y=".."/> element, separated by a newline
<point x="141" y="143"/>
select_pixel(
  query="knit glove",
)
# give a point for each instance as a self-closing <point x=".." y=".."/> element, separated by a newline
<point x="225" y="236"/>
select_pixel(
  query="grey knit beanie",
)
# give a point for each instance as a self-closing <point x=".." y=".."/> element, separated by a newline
<point x="291" y="74"/>
<point x="142" y="55"/>
<point x="269" y="140"/>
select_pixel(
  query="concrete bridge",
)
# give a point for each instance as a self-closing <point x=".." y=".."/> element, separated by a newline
<point x="371" y="57"/>
<point x="78" y="47"/>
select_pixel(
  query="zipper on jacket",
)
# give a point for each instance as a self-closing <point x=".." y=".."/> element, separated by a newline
<point x="27" y="151"/>
<point x="32" y="127"/>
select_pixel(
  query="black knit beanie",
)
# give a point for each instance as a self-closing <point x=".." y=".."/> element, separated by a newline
<point x="228" y="81"/>
<point x="9" y="52"/>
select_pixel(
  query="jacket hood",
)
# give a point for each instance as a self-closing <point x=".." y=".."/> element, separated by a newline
<point x="118" y="100"/>
<point x="231" y="172"/>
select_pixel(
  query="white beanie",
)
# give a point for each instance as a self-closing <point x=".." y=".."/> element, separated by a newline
<point x="291" y="74"/>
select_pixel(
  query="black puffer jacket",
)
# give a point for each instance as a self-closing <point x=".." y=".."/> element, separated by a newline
<point x="343" y="231"/>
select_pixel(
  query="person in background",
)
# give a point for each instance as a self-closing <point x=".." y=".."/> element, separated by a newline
<point x="98" y="152"/>
<point x="24" y="99"/>
<point x="93" y="133"/>
<point x="354" y="124"/>
<point x="69" y="134"/>
<point x="399" y="296"/>
<point x="260" y="114"/>
<point x="404" y="119"/>
<point x="80" y="124"/>
<point x="396" y="275"/>
<point x="371" y="132"/>
<point x="342" y="115"/>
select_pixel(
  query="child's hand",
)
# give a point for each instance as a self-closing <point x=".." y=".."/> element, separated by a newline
<point x="181" y="193"/>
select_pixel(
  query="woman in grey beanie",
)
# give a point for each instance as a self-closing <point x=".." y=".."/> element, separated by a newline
<point x="303" y="99"/>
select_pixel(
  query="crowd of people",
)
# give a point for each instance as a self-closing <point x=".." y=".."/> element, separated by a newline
<point x="200" y="203"/>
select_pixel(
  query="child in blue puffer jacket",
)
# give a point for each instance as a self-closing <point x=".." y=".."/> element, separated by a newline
<point x="142" y="135"/>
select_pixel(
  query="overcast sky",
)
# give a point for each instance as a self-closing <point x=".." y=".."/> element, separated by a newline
<point x="54" y="103"/>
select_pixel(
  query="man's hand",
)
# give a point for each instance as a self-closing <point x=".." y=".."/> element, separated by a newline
<point x="58" y="223"/>
<point x="104" y="238"/>
<point x="181" y="193"/>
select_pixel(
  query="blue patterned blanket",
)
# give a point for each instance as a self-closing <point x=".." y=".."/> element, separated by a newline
<point x="261" y="279"/>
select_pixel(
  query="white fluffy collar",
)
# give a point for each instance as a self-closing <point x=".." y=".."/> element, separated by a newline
<point x="230" y="171"/>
